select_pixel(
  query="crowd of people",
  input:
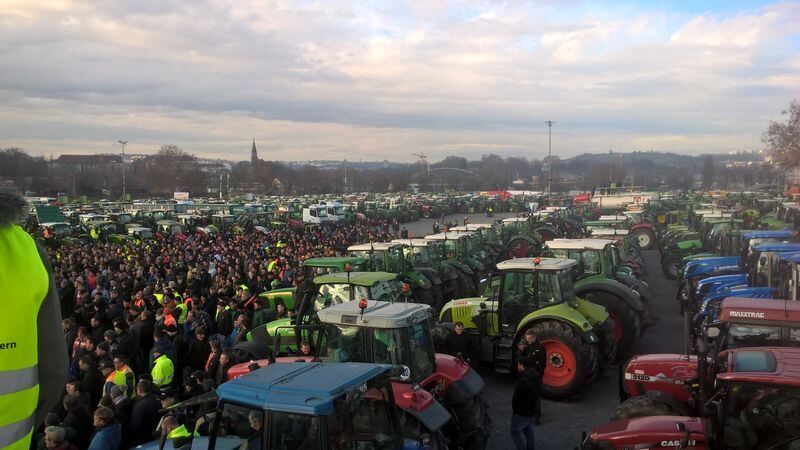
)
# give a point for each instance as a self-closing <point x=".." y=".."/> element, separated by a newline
<point x="152" y="324"/>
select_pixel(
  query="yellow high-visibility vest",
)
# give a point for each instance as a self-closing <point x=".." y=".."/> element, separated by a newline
<point x="163" y="371"/>
<point x="24" y="283"/>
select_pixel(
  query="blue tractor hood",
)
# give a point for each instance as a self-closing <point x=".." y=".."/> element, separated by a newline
<point x="719" y="265"/>
<point x="713" y="301"/>
<point x="792" y="257"/>
<point x="712" y="284"/>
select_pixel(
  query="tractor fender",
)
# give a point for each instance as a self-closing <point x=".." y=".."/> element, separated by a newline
<point x="648" y="226"/>
<point x="464" y="388"/>
<point x="459" y="266"/>
<point x="431" y="274"/>
<point x="548" y="230"/>
<point x="422" y="405"/>
<point x="448" y="272"/>
<point x="561" y="312"/>
<point x="615" y="288"/>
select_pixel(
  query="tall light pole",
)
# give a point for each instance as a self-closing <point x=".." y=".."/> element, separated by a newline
<point x="549" y="124"/>
<point x="123" y="168"/>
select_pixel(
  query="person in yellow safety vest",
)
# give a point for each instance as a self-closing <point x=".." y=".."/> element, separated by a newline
<point x="163" y="370"/>
<point x="180" y="313"/>
<point x="123" y="377"/>
<point x="173" y="430"/>
<point x="33" y="359"/>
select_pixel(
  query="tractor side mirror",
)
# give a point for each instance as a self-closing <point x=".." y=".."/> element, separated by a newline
<point x="712" y="331"/>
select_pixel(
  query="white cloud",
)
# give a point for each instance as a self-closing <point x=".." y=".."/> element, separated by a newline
<point x="379" y="81"/>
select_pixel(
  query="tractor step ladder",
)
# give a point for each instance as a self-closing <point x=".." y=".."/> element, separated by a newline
<point x="504" y="354"/>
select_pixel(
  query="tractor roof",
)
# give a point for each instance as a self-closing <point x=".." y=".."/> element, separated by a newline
<point x="473" y="227"/>
<point x="762" y="234"/>
<point x="613" y="217"/>
<point x="412" y="242"/>
<point x="778" y="247"/>
<point x="449" y="236"/>
<point x="380" y="246"/>
<point x="356" y="278"/>
<point x="304" y="388"/>
<point x="515" y="219"/>
<point x="793" y="257"/>
<point x="756" y="310"/>
<point x="771" y="365"/>
<point x="530" y="264"/>
<point x="333" y="261"/>
<point x="579" y="244"/>
<point x="608" y="232"/>
<point x="377" y="314"/>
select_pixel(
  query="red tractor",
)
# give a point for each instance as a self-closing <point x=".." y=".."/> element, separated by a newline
<point x="680" y="384"/>
<point x="756" y="406"/>
<point x="398" y="334"/>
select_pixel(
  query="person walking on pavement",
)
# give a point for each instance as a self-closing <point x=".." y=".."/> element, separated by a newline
<point x="33" y="357"/>
<point x="524" y="402"/>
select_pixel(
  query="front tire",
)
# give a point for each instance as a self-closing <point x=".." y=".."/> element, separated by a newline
<point x="571" y="361"/>
<point x="474" y="424"/>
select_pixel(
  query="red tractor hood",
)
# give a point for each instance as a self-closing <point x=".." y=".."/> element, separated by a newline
<point x="663" y="373"/>
<point x="652" y="432"/>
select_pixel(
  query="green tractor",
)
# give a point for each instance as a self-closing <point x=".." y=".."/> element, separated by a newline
<point x="330" y="289"/>
<point x="523" y="237"/>
<point x="600" y="282"/>
<point x="423" y="255"/>
<point x="537" y="293"/>
<point x="486" y="236"/>
<point x="456" y="251"/>
<point x="390" y="257"/>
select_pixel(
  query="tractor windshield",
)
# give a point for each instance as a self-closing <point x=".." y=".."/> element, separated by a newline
<point x="418" y="256"/>
<point x="762" y="415"/>
<point x="743" y="335"/>
<point x="589" y="260"/>
<point x="395" y="260"/>
<point x="525" y="291"/>
<point x="450" y="249"/>
<point x="241" y="426"/>
<point x="411" y="347"/>
<point x="342" y="343"/>
<point x="291" y="430"/>
<point x="362" y="423"/>
<point x="385" y="291"/>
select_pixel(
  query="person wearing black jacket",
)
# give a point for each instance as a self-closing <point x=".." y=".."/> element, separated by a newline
<point x="145" y="414"/>
<point x="458" y="342"/>
<point x="538" y="355"/>
<point x="524" y="404"/>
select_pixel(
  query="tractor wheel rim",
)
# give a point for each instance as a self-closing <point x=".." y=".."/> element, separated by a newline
<point x="644" y="239"/>
<point x="561" y="363"/>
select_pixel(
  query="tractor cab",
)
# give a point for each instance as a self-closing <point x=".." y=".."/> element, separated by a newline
<point x="789" y="275"/>
<point x="169" y="227"/>
<point x="314" y="267"/>
<point x="487" y="236"/>
<point x="223" y="221"/>
<point x="763" y="261"/>
<point x="382" y="256"/>
<point x="747" y="322"/>
<point x="309" y="406"/>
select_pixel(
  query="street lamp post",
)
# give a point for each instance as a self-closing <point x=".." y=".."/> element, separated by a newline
<point x="549" y="124"/>
<point x="123" y="168"/>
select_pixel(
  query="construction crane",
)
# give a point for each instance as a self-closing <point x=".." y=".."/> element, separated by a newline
<point x="423" y="161"/>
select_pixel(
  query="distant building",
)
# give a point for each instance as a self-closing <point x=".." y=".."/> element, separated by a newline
<point x="84" y="163"/>
<point x="254" y="154"/>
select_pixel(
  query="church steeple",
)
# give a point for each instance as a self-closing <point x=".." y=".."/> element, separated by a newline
<point x="254" y="153"/>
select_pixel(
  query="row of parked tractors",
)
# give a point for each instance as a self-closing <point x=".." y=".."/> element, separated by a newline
<point x="737" y="383"/>
<point x="578" y="283"/>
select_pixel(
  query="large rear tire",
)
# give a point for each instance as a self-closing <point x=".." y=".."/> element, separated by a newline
<point x="669" y="266"/>
<point x="474" y="423"/>
<point x="642" y="406"/>
<point x="625" y="321"/>
<point x="645" y="237"/>
<point x="571" y="361"/>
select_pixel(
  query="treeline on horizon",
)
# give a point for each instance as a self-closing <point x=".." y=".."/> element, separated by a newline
<point x="172" y="169"/>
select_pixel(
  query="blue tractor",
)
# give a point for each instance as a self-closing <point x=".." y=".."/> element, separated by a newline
<point x="308" y="406"/>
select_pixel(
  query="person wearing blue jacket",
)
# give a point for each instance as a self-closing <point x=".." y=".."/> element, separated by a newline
<point x="108" y="433"/>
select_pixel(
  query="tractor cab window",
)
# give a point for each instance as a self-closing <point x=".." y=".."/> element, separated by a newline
<point x="294" y="431"/>
<point x="396" y="260"/>
<point x="761" y="416"/>
<point x="385" y="291"/>
<point x="740" y="336"/>
<point x="362" y="421"/>
<point x="239" y="427"/>
<point x="410" y="346"/>
<point x="343" y="343"/>
<point x="450" y="249"/>
<point x="417" y="255"/>
<point x="526" y="291"/>
<point x="334" y="294"/>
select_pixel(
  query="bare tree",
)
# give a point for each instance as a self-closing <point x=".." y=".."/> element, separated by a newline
<point x="783" y="139"/>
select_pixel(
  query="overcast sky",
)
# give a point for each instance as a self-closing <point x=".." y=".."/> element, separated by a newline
<point x="381" y="80"/>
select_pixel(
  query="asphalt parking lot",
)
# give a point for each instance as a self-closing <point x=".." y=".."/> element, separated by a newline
<point x="562" y="422"/>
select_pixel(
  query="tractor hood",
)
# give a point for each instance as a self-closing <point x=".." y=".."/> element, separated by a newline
<point x="713" y="284"/>
<point x="662" y="373"/>
<point x="712" y="266"/>
<point x="651" y="432"/>
<point x="713" y="301"/>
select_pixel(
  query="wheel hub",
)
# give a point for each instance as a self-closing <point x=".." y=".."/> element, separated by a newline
<point x="556" y="360"/>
